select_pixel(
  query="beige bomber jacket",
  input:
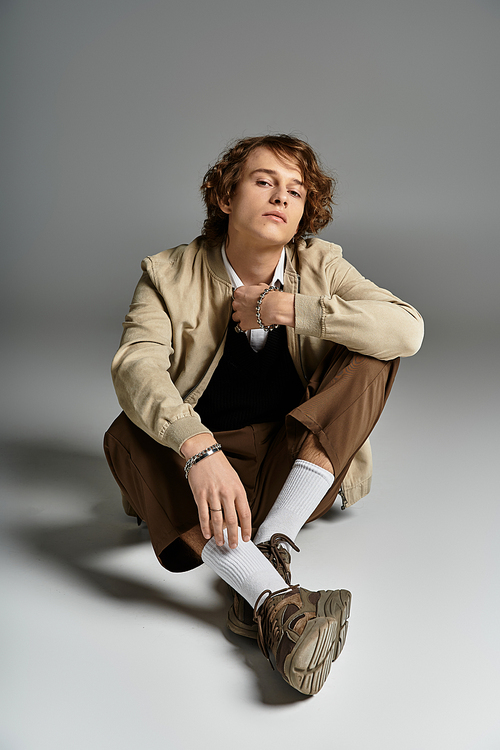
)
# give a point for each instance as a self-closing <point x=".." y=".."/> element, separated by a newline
<point x="175" y="331"/>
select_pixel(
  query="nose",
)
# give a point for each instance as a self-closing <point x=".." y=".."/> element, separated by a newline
<point x="280" y="197"/>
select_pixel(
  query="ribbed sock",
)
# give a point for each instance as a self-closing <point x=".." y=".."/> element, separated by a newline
<point x="304" y="488"/>
<point x="245" y="568"/>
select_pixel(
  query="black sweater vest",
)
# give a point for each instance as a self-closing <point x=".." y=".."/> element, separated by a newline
<point x="249" y="387"/>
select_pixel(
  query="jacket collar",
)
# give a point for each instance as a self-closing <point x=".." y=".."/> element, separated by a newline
<point x="214" y="262"/>
<point x="216" y="266"/>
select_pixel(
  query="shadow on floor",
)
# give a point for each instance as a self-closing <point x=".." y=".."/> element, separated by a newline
<point x="38" y="472"/>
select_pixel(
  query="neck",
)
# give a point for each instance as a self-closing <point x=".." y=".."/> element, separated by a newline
<point x="254" y="265"/>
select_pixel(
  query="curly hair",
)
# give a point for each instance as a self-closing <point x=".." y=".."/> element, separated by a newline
<point x="221" y="180"/>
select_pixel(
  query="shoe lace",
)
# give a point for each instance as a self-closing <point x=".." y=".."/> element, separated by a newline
<point x="275" y="554"/>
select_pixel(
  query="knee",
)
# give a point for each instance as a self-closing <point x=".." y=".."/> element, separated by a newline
<point x="313" y="452"/>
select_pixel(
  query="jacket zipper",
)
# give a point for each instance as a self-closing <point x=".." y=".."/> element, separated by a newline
<point x="342" y="495"/>
<point x="298" y="338"/>
<point x="341" y="488"/>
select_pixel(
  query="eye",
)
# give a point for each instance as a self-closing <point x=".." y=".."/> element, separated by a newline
<point x="295" y="194"/>
<point x="263" y="182"/>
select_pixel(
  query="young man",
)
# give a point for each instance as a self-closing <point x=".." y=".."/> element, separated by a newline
<point x="253" y="366"/>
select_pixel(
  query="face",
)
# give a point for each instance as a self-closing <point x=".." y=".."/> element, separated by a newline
<point x="268" y="202"/>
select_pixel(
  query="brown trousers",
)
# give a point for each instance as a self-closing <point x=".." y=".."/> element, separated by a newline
<point x="341" y="406"/>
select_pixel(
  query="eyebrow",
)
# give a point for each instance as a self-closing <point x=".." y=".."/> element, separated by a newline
<point x="274" y="173"/>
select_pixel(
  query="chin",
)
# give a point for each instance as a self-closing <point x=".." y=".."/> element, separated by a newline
<point x="277" y="237"/>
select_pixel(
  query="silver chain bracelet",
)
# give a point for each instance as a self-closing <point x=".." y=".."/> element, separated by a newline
<point x="199" y="456"/>
<point x="271" y="327"/>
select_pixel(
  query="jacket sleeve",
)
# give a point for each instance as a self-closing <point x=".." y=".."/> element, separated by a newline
<point x="361" y="316"/>
<point x="140" y="371"/>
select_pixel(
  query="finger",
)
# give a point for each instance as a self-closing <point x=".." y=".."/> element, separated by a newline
<point x="204" y="516"/>
<point x="217" y="521"/>
<point x="240" y="329"/>
<point x="245" y="518"/>
<point x="231" y="526"/>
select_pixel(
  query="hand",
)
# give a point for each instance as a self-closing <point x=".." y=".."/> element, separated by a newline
<point x="245" y="303"/>
<point x="215" y="484"/>
<point x="277" y="307"/>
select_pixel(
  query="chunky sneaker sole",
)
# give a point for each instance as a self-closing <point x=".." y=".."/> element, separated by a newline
<point x="338" y="606"/>
<point x="244" y="623"/>
<point x="309" y="664"/>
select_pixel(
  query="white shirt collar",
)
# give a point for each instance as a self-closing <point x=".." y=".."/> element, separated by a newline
<point x="279" y="271"/>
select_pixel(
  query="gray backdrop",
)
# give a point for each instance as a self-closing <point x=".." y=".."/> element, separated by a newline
<point x="112" y="111"/>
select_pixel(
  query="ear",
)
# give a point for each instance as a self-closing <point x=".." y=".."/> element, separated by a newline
<point x="225" y="205"/>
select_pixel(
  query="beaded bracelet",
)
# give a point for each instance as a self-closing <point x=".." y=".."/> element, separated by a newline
<point x="271" y="327"/>
<point x="199" y="456"/>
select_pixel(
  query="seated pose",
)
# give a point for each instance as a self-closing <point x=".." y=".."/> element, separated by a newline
<point x="254" y="364"/>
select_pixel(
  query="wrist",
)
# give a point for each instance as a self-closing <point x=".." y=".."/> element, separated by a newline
<point x="215" y="448"/>
<point x="279" y="308"/>
<point x="195" y="444"/>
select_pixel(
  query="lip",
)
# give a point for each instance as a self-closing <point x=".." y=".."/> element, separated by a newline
<point x="278" y="215"/>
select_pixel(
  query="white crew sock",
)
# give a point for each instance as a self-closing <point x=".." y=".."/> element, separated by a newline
<point x="305" y="487"/>
<point x="245" y="568"/>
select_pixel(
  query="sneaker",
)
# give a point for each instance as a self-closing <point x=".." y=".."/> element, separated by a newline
<point x="338" y="606"/>
<point x="240" y="616"/>
<point x="296" y="635"/>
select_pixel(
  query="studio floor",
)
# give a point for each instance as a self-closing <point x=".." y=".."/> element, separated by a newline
<point x="102" y="648"/>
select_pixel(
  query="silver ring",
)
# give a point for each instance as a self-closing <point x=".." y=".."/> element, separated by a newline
<point x="216" y="510"/>
<point x="238" y="329"/>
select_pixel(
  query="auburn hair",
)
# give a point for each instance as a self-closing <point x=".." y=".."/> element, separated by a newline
<point x="221" y="180"/>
